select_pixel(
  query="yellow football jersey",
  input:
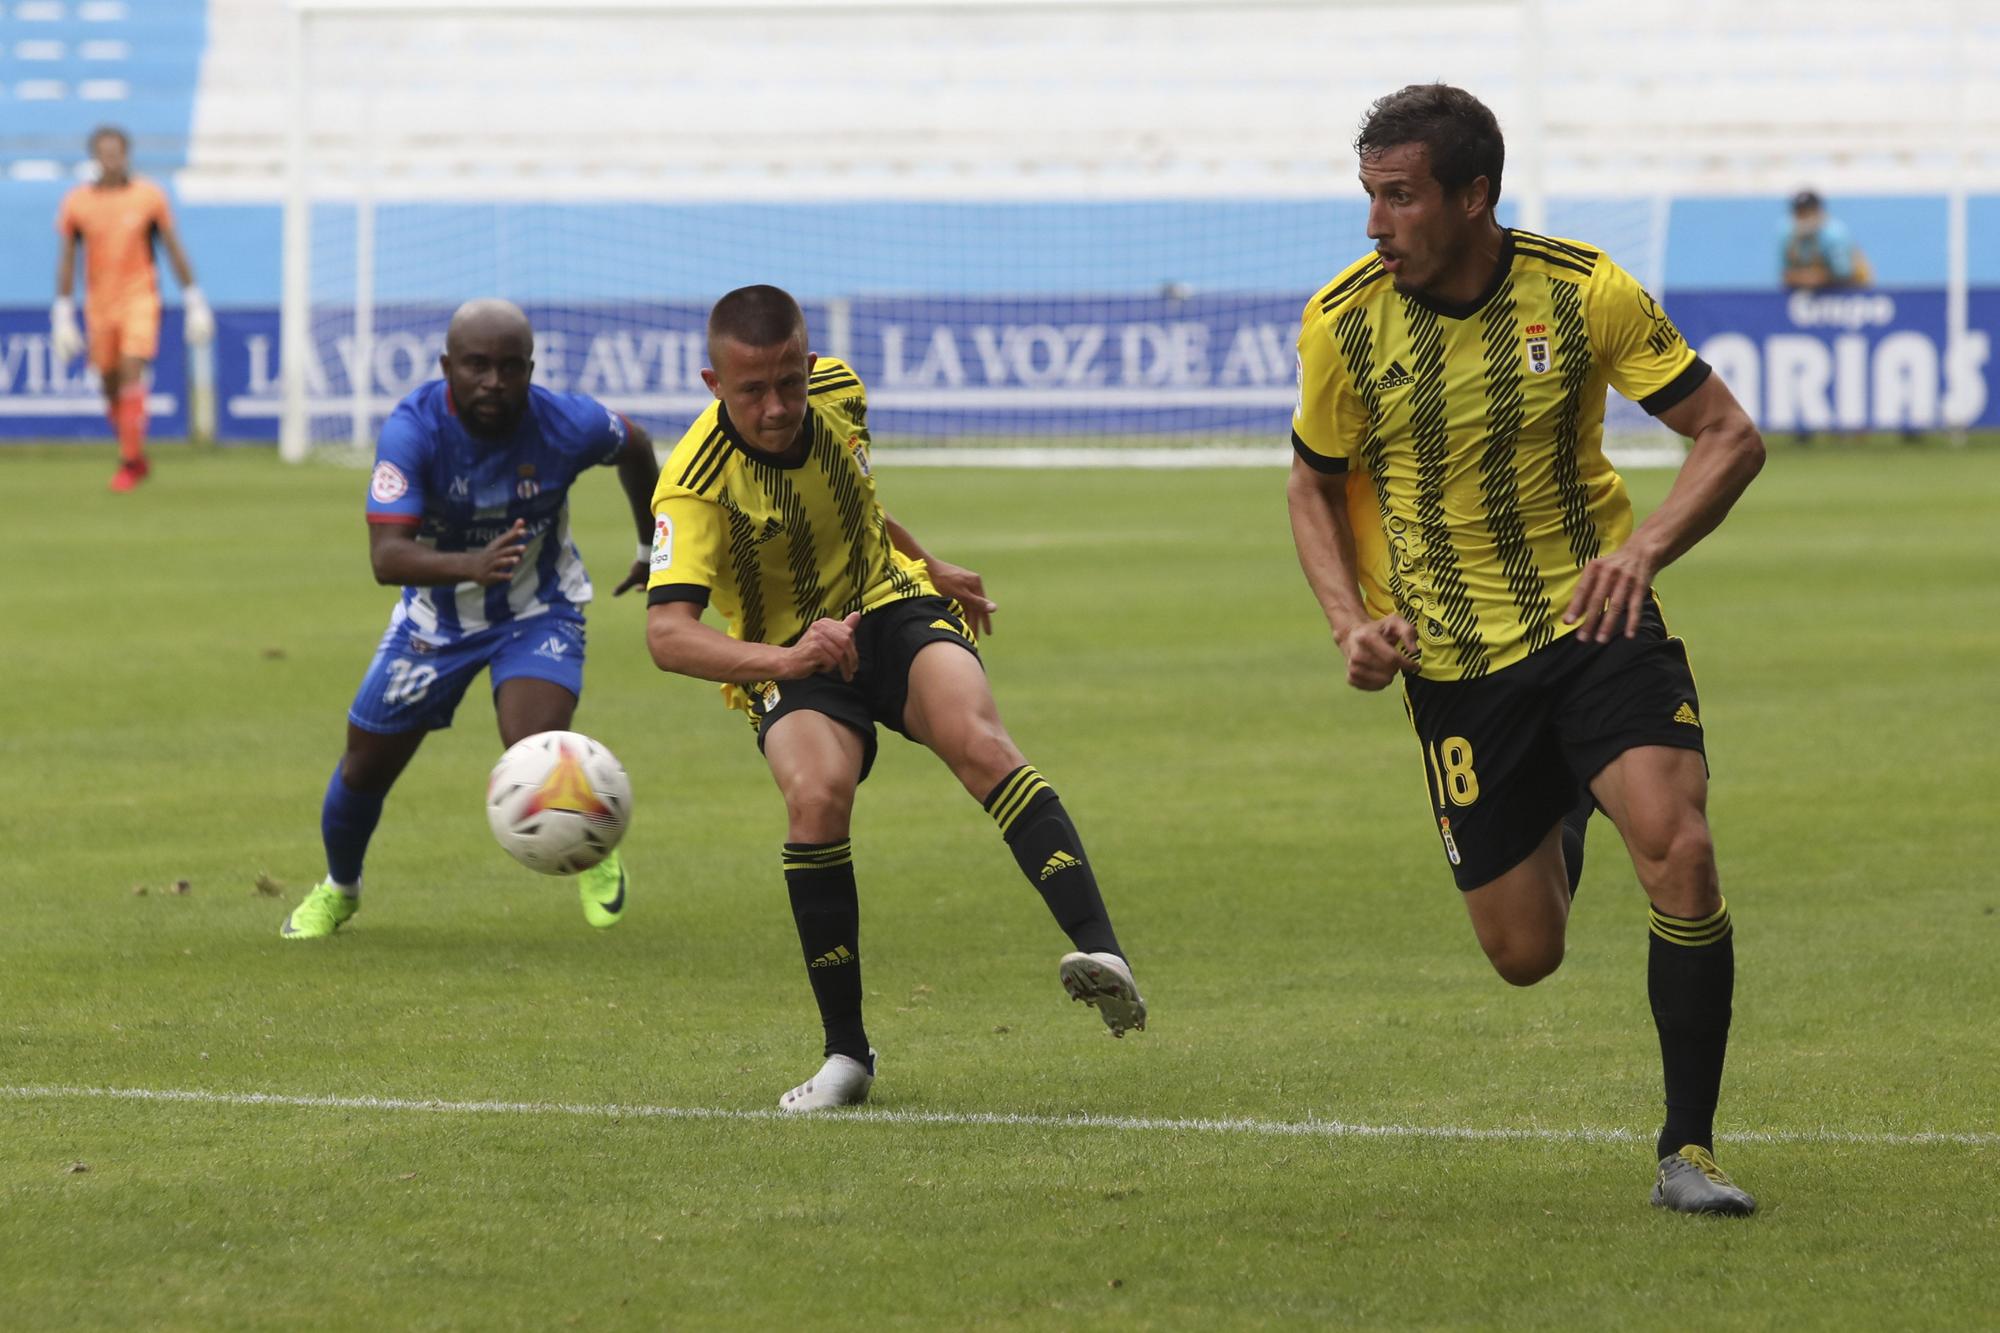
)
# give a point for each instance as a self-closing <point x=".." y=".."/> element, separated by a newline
<point x="773" y="545"/>
<point x="1480" y="430"/>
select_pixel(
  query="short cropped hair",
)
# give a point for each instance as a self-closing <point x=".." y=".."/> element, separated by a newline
<point x="107" y="132"/>
<point x="1459" y="133"/>
<point x="759" y="316"/>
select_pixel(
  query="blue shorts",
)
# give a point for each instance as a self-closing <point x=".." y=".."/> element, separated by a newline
<point x="414" y="684"/>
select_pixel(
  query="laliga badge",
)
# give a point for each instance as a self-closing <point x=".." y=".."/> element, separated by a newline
<point x="663" y="544"/>
<point x="1450" y="845"/>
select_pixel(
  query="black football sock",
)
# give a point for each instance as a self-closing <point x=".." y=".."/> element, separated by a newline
<point x="1575" y="824"/>
<point x="1690" y="977"/>
<point x="820" y="878"/>
<point x="1046" y="847"/>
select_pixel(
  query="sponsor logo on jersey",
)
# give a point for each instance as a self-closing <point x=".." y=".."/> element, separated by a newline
<point x="1538" y="355"/>
<point x="554" y="649"/>
<point x="663" y="544"/>
<point x="388" y="484"/>
<point x="461" y="488"/>
<point x="1685" y="714"/>
<point x="1395" y="377"/>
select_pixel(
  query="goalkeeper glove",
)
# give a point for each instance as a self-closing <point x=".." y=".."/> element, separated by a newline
<point x="64" y="334"/>
<point x="199" y="321"/>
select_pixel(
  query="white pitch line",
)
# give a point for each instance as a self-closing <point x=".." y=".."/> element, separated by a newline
<point x="1332" y="1129"/>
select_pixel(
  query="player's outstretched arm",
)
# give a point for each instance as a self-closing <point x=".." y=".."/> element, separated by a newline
<point x="400" y="560"/>
<point x="638" y="474"/>
<point x="1377" y="651"/>
<point x="1727" y="454"/>
<point x="680" y="643"/>
<point x="964" y="586"/>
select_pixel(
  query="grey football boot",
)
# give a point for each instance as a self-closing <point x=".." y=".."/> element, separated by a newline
<point x="1691" y="1182"/>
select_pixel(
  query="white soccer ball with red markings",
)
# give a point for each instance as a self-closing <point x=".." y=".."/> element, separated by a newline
<point x="558" y="801"/>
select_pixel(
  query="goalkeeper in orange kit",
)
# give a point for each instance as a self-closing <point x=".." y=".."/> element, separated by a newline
<point x="116" y="219"/>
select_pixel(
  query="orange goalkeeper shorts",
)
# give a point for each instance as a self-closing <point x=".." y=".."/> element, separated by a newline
<point x="127" y="330"/>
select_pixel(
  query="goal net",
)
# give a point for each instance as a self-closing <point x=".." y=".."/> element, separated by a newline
<point x="1084" y="227"/>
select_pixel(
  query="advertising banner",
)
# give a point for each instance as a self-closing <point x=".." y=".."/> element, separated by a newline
<point x="1847" y="361"/>
<point x="1216" y="365"/>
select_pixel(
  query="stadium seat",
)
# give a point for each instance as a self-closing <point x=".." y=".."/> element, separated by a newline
<point x="67" y="66"/>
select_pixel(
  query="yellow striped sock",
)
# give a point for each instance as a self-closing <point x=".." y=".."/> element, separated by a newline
<point x="818" y="855"/>
<point x="1678" y="930"/>
<point x="1016" y="792"/>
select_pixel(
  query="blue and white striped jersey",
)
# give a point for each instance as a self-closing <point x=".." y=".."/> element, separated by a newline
<point x="460" y="492"/>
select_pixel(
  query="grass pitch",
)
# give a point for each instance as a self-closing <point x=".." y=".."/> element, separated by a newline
<point x="179" y="661"/>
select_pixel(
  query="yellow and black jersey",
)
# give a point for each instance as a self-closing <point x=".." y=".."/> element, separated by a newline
<point x="1480" y="432"/>
<point x="776" y="543"/>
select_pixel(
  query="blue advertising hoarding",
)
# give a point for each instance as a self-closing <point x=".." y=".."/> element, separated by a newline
<point x="1210" y="364"/>
<point x="1847" y="361"/>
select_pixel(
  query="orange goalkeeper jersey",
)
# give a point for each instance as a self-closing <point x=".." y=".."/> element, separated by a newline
<point x="117" y="225"/>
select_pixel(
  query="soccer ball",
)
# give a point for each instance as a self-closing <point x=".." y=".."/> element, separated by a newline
<point x="558" y="801"/>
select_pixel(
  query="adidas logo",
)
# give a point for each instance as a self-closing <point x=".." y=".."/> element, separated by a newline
<point x="1686" y="714"/>
<point x="835" y="958"/>
<point x="1060" y="861"/>
<point x="1395" y="377"/>
<point x="942" y="623"/>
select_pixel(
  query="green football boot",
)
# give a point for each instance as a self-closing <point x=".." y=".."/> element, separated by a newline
<point x="1691" y="1182"/>
<point x="602" y="889"/>
<point x="324" y="911"/>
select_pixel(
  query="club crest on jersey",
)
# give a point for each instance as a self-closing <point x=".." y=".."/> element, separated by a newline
<point x="388" y="484"/>
<point x="1538" y="355"/>
<point x="527" y="488"/>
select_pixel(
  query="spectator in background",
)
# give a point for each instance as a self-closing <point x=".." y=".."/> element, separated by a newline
<point x="1816" y="253"/>
<point x="117" y="220"/>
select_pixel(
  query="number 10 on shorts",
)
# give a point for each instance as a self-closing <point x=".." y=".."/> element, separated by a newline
<point x="1452" y="777"/>
<point x="408" y="684"/>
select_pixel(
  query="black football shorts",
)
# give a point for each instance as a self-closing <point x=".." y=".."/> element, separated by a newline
<point x="1506" y="755"/>
<point x="888" y="640"/>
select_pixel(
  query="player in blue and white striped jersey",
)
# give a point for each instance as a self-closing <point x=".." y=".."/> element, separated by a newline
<point x="468" y="510"/>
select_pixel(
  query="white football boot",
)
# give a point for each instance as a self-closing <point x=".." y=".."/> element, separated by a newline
<point x="841" y="1081"/>
<point x="1104" y="982"/>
